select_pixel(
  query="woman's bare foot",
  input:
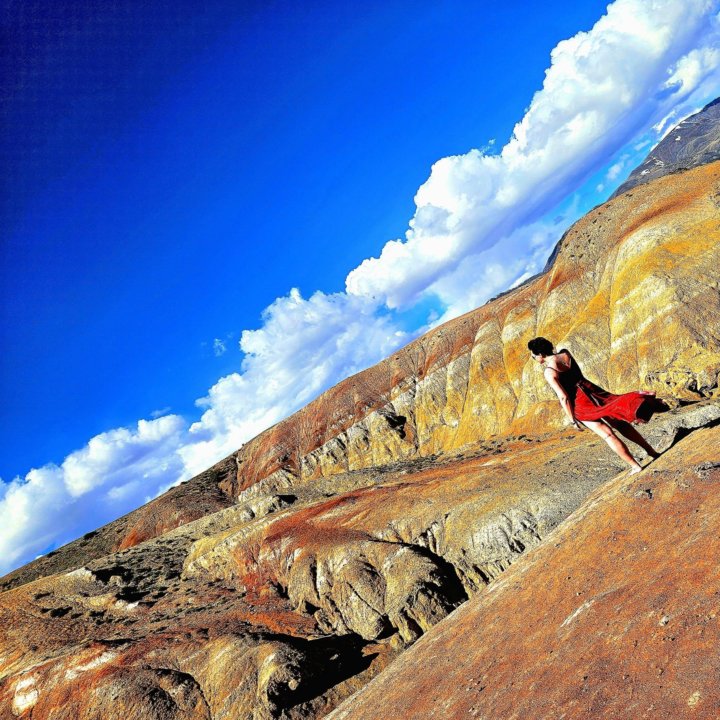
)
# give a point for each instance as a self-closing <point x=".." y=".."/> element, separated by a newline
<point x="635" y="470"/>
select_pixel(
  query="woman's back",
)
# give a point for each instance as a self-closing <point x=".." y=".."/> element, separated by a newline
<point x="568" y="372"/>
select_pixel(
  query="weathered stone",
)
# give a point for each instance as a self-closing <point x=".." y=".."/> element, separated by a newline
<point x="695" y="141"/>
<point x="615" y="615"/>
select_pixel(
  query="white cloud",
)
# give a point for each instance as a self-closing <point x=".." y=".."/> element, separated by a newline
<point x="160" y="412"/>
<point x="693" y="70"/>
<point x="478" y="229"/>
<point x="219" y="347"/>
<point x="603" y="86"/>
<point x="55" y="504"/>
<point x="613" y="172"/>
<point x="304" y="347"/>
<point x="507" y="264"/>
<point x="121" y="492"/>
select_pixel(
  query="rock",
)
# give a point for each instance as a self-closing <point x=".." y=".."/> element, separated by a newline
<point x="614" y="615"/>
<point x="245" y="610"/>
<point x="695" y="141"/>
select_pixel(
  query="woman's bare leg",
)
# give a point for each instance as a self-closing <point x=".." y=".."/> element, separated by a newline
<point x="615" y="443"/>
<point x="626" y="429"/>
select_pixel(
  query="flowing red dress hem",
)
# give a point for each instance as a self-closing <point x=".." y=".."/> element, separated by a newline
<point x="594" y="403"/>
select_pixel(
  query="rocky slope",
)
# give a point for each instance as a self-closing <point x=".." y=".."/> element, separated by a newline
<point x="695" y="141"/>
<point x="641" y="267"/>
<point x="284" y="578"/>
<point x="287" y="613"/>
<point x="614" y="616"/>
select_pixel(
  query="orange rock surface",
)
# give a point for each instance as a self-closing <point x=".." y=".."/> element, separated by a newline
<point x="616" y="615"/>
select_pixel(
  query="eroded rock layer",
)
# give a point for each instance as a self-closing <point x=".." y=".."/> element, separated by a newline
<point x="246" y="612"/>
<point x="616" y="615"/>
<point x="286" y="610"/>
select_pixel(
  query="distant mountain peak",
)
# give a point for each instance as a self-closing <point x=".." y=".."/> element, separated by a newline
<point x="692" y="142"/>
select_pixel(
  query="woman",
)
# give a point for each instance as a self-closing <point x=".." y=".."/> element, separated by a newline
<point x="598" y="409"/>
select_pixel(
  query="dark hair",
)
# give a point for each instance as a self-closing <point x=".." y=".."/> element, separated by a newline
<point x="540" y="346"/>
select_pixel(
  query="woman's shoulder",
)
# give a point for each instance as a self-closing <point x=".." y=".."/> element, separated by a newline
<point x="563" y="361"/>
<point x="551" y="373"/>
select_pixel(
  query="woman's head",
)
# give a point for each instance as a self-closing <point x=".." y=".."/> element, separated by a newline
<point x="540" y="346"/>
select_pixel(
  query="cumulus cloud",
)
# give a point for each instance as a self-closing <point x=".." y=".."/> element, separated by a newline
<point x="485" y="274"/>
<point x="615" y="169"/>
<point x="303" y="347"/>
<point x="602" y="87"/>
<point x="480" y="227"/>
<point x="111" y="475"/>
<point x="694" y="69"/>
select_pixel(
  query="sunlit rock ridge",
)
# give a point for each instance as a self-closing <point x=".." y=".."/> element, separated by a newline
<point x="695" y="141"/>
<point x="437" y="493"/>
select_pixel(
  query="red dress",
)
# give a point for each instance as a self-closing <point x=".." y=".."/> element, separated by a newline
<point x="591" y="402"/>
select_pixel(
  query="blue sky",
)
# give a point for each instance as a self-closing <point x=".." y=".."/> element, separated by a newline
<point x="173" y="172"/>
<point x="180" y="178"/>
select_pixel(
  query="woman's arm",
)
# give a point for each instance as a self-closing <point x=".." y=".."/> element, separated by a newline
<point x="565" y="404"/>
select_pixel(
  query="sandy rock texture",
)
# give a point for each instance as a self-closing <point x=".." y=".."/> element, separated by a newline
<point x="615" y="615"/>
<point x="283" y="607"/>
<point x="247" y="613"/>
